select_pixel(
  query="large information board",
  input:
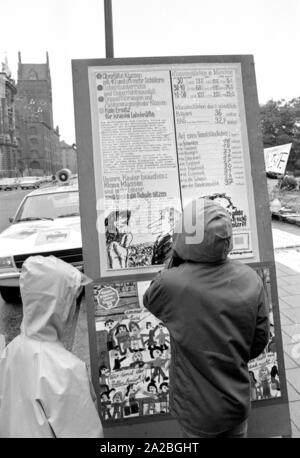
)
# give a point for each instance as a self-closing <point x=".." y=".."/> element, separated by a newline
<point x="152" y="135"/>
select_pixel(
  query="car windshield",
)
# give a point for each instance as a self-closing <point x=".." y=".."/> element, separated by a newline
<point x="49" y="206"/>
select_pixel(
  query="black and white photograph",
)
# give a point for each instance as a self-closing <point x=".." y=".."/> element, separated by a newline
<point x="149" y="221"/>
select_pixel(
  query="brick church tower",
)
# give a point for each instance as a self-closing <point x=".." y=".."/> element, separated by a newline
<point x="38" y="141"/>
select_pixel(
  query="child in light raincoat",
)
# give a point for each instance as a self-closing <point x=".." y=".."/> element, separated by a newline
<point x="45" y="389"/>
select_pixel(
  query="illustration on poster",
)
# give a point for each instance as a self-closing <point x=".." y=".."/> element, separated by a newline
<point x="134" y="356"/>
<point x="118" y="238"/>
<point x="124" y="251"/>
<point x="263" y="370"/>
<point x="238" y="218"/>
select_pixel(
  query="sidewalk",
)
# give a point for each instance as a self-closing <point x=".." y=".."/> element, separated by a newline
<point x="287" y="257"/>
<point x="288" y="282"/>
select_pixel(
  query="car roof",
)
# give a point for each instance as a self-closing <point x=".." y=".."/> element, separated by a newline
<point x="53" y="189"/>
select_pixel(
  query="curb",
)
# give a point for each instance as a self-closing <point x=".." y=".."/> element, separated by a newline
<point x="286" y="218"/>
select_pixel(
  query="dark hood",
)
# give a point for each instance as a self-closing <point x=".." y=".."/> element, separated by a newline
<point x="203" y="233"/>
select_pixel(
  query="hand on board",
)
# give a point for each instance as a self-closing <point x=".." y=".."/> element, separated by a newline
<point x="118" y="252"/>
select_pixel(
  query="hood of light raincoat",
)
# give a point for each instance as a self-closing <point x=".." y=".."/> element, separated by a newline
<point x="203" y="233"/>
<point x="45" y="389"/>
<point x="49" y="288"/>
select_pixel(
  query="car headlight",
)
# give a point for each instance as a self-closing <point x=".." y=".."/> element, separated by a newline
<point x="6" y="261"/>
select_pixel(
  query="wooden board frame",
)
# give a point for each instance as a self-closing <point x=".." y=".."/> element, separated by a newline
<point x="277" y="410"/>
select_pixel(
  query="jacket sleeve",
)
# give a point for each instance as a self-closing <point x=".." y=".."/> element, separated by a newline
<point x="156" y="300"/>
<point x="65" y="397"/>
<point x="262" y="329"/>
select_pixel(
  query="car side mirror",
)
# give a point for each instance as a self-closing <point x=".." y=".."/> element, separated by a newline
<point x="10" y="219"/>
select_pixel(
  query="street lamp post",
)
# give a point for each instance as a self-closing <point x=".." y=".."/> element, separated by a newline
<point x="109" y="36"/>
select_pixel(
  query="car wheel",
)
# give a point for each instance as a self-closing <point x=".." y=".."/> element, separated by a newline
<point x="11" y="295"/>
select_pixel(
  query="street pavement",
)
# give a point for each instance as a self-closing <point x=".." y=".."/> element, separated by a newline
<point x="9" y="202"/>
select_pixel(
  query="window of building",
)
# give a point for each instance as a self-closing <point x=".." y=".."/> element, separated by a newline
<point x="33" y="130"/>
<point x="35" y="165"/>
<point x="34" y="153"/>
<point x="33" y="75"/>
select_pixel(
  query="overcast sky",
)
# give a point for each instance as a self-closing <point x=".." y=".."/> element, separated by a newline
<point x="74" y="29"/>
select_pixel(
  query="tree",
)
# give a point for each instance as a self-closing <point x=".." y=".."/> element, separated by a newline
<point x="280" y="123"/>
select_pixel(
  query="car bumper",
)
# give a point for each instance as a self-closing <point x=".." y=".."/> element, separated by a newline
<point x="10" y="279"/>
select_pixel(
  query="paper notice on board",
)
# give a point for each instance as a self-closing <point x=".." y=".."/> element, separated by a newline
<point x="210" y="145"/>
<point x="139" y="161"/>
<point x="166" y="135"/>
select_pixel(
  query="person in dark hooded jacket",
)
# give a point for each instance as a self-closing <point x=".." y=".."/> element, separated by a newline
<point x="216" y="312"/>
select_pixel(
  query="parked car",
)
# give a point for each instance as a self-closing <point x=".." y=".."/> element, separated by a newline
<point x="8" y="184"/>
<point x="29" y="183"/>
<point x="47" y="222"/>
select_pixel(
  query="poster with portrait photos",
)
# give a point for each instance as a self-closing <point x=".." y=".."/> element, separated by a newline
<point x="133" y="353"/>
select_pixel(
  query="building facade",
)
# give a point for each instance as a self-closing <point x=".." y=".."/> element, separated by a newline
<point x="38" y="141"/>
<point x="68" y="156"/>
<point x="8" y="140"/>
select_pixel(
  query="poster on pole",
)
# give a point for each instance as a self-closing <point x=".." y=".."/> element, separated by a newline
<point x="276" y="158"/>
<point x="163" y="136"/>
<point x="152" y="135"/>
